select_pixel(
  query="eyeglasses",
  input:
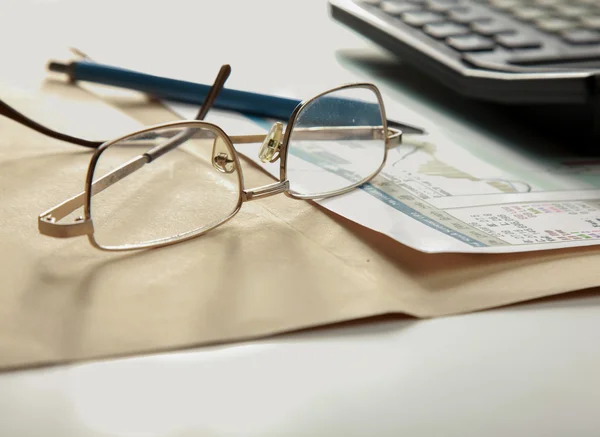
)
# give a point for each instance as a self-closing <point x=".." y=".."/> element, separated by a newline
<point x="175" y="181"/>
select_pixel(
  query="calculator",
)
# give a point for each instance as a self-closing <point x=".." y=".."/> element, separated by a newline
<point x="541" y="53"/>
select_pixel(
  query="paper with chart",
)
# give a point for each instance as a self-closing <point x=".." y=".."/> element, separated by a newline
<point x="436" y="196"/>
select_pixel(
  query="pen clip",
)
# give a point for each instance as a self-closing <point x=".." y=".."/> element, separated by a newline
<point x="80" y="54"/>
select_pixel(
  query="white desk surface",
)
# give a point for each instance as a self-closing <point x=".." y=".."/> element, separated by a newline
<point x="529" y="370"/>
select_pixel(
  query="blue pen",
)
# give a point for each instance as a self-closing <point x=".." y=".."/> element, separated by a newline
<point x="263" y="105"/>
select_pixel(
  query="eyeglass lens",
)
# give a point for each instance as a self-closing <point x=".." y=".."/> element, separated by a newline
<point x="338" y="141"/>
<point x="192" y="188"/>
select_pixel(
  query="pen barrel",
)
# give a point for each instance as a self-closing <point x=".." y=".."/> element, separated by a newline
<point x="261" y="105"/>
<point x="183" y="91"/>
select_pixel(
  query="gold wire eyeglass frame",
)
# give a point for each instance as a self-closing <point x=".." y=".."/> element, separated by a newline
<point x="276" y="148"/>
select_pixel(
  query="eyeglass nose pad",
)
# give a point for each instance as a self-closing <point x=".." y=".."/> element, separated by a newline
<point x="221" y="159"/>
<point x="269" y="151"/>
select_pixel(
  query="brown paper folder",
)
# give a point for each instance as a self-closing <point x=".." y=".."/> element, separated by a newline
<point x="279" y="265"/>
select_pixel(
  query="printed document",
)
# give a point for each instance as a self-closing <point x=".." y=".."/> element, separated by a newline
<point x="437" y="196"/>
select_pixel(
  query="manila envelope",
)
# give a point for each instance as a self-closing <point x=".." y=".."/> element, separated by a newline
<point x="279" y="265"/>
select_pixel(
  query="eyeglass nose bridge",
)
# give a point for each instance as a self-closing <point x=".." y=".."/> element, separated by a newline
<point x="266" y="191"/>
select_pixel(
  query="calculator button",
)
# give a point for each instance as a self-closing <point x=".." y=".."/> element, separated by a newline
<point x="445" y="30"/>
<point x="471" y="43"/>
<point x="581" y="36"/>
<point x="421" y="18"/>
<point x="544" y="3"/>
<point x="517" y="41"/>
<point x="572" y="11"/>
<point x="554" y="24"/>
<point x="504" y="4"/>
<point x="591" y="22"/>
<point x="545" y="57"/>
<point x="398" y="8"/>
<point x="443" y="5"/>
<point x="467" y="15"/>
<point x="492" y="27"/>
<point x="530" y="13"/>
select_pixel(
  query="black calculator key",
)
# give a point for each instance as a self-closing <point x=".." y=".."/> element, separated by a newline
<point x="555" y="24"/>
<point x="530" y="13"/>
<point x="581" y="36"/>
<point x="543" y="57"/>
<point x="491" y="27"/>
<point x="548" y="3"/>
<point x="504" y="4"/>
<point x="471" y="43"/>
<point x="591" y="22"/>
<point x="518" y="41"/>
<point x="398" y="8"/>
<point x="445" y="29"/>
<point x="467" y="15"/>
<point x="572" y="11"/>
<point x="421" y="18"/>
<point x="443" y="5"/>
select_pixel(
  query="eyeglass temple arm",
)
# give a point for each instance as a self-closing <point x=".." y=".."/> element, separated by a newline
<point x="11" y="113"/>
<point x="182" y="137"/>
<point x="332" y="133"/>
<point x="15" y="115"/>
<point x="47" y="221"/>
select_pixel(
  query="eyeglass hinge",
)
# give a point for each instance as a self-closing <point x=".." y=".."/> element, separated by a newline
<point x="47" y="225"/>
<point x="393" y="138"/>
